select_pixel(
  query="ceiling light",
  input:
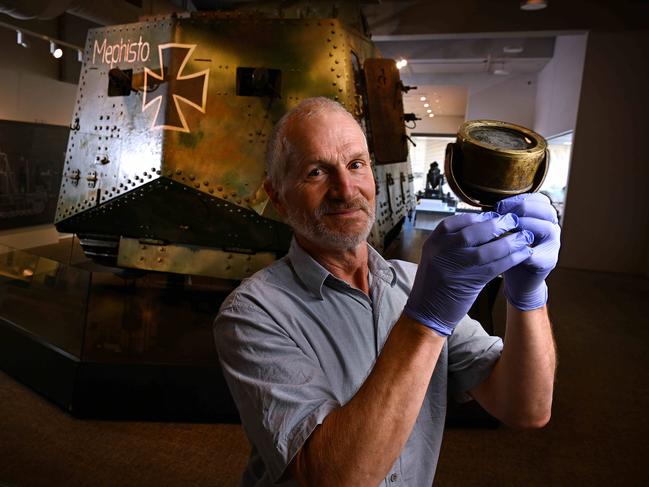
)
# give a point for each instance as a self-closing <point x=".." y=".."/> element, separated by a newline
<point x="501" y="72"/>
<point x="426" y="105"/>
<point x="431" y="115"/>
<point x="79" y="55"/>
<point x="429" y="111"/>
<point x="20" y="39"/>
<point x="401" y="63"/>
<point x="55" y="50"/>
<point x="422" y="98"/>
<point x="513" y="49"/>
<point x="533" y="4"/>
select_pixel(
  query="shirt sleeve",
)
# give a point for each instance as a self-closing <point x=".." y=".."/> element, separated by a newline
<point x="472" y="353"/>
<point x="282" y="394"/>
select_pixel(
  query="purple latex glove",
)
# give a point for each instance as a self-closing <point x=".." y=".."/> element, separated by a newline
<point x="525" y="286"/>
<point x="458" y="259"/>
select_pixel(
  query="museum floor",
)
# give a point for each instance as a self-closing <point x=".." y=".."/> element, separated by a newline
<point x="598" y="435"/>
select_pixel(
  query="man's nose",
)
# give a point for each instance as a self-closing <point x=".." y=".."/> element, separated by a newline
<point x="342" y="185"/>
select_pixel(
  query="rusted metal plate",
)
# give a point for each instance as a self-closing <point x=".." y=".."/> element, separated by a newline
<point x="385" y="106"/>
<point x="190" y="259"/>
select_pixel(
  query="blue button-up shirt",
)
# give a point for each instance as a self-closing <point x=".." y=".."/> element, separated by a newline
<point x="295" y="343"/>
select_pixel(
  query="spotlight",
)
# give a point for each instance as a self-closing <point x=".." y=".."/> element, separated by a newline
<point x="533" y="4"/>
<point x="401" y="63"/>
<point x="429" y="111"/>
<point x="431" y="115"/>
<point x="422" y="98"/>
<point x="426" y="105"/>
<point x="513" y="49"/>
<point x="20" y="40"/>
<point x="55" y="50"/>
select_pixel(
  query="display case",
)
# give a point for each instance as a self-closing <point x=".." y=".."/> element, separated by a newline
<point x="111" y="343"/>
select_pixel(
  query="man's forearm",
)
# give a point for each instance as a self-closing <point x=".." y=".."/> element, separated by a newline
<point x="519" y="390"/>
<point x="358" y="443"/>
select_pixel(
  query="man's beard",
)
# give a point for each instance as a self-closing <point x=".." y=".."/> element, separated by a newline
<point x="312" y="226"/>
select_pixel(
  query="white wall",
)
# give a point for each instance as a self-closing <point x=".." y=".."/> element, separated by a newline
<point x="25" y="97"/>
<point x="607" y="208"/>
<point x="558" y="87"/>
<point x="511" y="100"/>
<point x="31" y="92"/>
<point x="438" y="125"/>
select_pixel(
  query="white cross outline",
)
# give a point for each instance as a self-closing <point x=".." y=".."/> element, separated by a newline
<point x="177" y="98"/>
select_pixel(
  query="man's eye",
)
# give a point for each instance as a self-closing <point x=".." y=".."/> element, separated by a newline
<point x="315" y="172"/>
<point x="356" y="165"/>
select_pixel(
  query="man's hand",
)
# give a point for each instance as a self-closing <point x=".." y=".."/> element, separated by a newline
<point x="525" y="286"/>
<point x="462" y="255"/>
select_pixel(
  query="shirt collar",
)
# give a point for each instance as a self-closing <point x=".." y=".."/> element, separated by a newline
<point x="313" y="275"/>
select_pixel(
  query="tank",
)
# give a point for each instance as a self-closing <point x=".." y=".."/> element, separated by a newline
<point x="164" y="167"/>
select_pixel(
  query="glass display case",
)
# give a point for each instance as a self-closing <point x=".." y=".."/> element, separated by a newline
<point x="111" y="343"/>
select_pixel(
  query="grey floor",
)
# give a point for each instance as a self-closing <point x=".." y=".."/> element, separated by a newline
<point x="598" y="435"/>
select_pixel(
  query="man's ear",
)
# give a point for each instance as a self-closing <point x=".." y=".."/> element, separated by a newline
<point x="275" y="197"/>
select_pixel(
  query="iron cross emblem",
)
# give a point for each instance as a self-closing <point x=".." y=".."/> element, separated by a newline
<point x="173" y="87"/>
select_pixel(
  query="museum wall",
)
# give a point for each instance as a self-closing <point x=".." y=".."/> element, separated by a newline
<point x="31" y="91"/>
<point x="512" y="100"/>
<point x="558" y="87"/>
<point x="607" y="209"/>
<point x="438" y="125"/>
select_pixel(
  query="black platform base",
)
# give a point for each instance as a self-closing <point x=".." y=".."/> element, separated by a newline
<point x="155" y="392"/>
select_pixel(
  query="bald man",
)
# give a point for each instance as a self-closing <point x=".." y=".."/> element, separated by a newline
<point x="339" y="361"/>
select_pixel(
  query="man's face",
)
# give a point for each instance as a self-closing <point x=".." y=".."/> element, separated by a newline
<point x="329" y="192"/>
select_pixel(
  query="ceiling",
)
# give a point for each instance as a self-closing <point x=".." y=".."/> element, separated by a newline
<point x="452" y="46"/>
<point x="444" y="68"/>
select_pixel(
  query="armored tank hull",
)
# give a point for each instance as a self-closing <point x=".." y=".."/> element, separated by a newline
<point x="165" y="161"/>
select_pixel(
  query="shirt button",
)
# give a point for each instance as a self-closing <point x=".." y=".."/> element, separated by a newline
<point x="393" y="477"/>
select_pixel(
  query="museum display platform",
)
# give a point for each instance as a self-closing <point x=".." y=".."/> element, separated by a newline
<point x="111" y="343"/>
<point x="119" y="344"/>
